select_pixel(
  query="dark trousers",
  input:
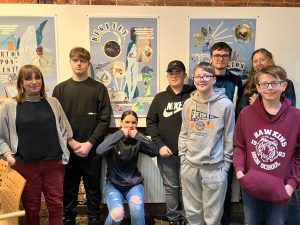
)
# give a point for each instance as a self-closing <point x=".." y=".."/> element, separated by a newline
<point x="89" y="169"/>
<point x="170" y="172"/>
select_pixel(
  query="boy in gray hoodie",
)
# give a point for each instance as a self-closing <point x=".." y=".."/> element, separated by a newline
<point x="205" y="148"/>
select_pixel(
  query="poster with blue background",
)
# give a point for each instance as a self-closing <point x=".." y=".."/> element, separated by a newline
<point x="238" y="33"/>
<point x="26" y="40"/>
<point x="124" y="58"/>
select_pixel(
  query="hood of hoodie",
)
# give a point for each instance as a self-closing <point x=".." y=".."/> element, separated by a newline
<point x="279" y="117"/>
<point x="185" y="89"/>
<point x="218" y="94"/>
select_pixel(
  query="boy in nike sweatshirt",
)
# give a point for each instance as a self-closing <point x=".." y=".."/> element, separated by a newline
<point x="267" y="150"/>
<point x="205" y="148"/>
<point x="163" y="124"/>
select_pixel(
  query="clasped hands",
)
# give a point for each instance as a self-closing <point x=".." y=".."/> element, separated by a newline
<point x="81" y="149"/>
<point x="129" y="132"/>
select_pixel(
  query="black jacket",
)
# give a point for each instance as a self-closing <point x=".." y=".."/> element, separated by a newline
<point x="122" y="157"/>
<point x="233" y="86"/>
<point x="164" y="117"/>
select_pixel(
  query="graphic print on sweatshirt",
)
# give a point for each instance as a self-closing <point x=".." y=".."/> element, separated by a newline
<point x="267" y="154"/>
<point x="172" y="108"/>
<point x="200" y="122"/>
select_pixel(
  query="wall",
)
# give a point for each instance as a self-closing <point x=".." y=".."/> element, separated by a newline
<point x="262" y="3"/>
<point x="277" y="30"/>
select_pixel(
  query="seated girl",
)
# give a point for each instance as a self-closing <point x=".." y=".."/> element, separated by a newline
<point x="123" y="180"/>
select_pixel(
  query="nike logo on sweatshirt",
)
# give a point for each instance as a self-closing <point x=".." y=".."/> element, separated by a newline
<point x="172" y="108"/>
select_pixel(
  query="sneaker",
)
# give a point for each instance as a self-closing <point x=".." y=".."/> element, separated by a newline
<point x="176" y="222"/>
<point x="184" y="221"/>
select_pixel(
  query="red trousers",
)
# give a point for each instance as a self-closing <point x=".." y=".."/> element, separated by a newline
<point x="47" y="177"/>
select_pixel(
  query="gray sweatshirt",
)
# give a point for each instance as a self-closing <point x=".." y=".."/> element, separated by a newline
<point x="206" y="136"/>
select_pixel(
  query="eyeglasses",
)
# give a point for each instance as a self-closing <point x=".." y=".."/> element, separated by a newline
<point x="76" y="60"/>
<point x="274" y="84"/>
<point x="217" y="56"/>
<point x="204" y="78"/>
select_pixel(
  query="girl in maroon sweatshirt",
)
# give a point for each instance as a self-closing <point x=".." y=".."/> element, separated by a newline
<point x="267" y="150"/>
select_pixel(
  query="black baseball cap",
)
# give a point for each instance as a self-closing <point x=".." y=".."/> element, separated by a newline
<point x="176" y="64"/>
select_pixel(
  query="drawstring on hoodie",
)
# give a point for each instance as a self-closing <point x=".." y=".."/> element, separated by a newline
<point x="184" y="90"/>
<point x="208" y="111"/>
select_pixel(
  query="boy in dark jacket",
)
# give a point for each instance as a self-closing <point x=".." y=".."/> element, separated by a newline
<point x="163" y="124"/>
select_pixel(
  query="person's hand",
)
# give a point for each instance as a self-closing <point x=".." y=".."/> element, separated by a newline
<point x="239" y="174"/>
<point x="165" y="151"/>
<point x="10" y="159"/>
<point x="253" y="98"/>
<point x="84" y="149"/>
<point x="125" y="131"/>
<point x="289" y="189"/>
<point x="73" y="144"/>
<point x="132" y="133"/>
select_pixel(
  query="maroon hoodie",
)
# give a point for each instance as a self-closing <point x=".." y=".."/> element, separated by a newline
<point x="267" y="150"/>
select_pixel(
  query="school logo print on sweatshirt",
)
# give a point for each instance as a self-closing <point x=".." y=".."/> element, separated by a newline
<point x="200" y="122"/>
<point x="172" y="108"/>
<point x="267" y="143"/>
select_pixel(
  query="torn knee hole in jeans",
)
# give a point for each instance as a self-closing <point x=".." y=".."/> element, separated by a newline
<point x="136" y="200"/>
<point x="117" y="213"/>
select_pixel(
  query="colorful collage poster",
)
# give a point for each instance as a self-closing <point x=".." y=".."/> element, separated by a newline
<point x="239" y="34"/>
<point x="124" y="59"/>
<point x="26" y="40"/>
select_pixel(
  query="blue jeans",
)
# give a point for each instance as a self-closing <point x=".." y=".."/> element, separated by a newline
<point x="293" y="215"/>
<point x="114" y="199"/>
<point x="256" y="210"/>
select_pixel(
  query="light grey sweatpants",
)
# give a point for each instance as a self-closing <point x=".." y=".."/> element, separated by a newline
<point x="203" y="193"/>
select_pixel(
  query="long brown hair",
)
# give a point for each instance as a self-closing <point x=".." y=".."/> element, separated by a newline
<point x="250" y="86"/>
<point x="25" y="73"/>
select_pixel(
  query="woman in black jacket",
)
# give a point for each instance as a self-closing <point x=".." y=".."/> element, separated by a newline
<point x="123" y="180"/>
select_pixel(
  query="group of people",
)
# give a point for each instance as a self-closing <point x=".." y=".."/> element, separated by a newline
<point x="194" y="130"/>
<point x="54" y="142"/>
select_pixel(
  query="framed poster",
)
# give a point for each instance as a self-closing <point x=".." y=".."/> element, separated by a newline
<point x="124" y="59"/>
<point x="26" y="40"/>
<point x="239" y="34"/>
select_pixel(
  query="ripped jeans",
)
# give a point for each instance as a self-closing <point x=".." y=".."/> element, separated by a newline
<point x="114" y="199"/>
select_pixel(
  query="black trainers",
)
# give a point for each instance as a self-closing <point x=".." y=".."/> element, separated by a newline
<point x="176" y="222"/>
<point x="184" y="221"/>
<point x="69" y="222"/>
